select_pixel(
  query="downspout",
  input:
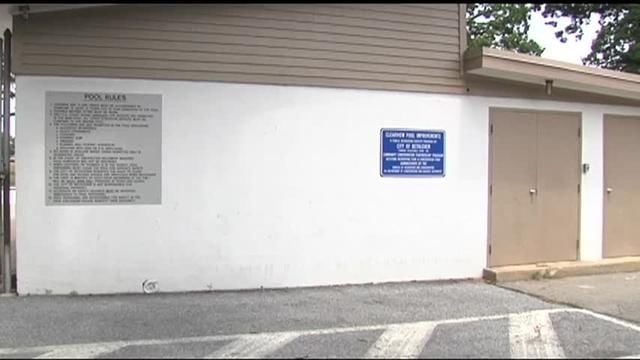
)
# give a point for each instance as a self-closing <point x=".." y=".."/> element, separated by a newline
<point x="462" y="31"/>
<point x="6" y="206"/>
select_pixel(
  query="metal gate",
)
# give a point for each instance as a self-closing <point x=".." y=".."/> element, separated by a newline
<point x="7" y="87"/>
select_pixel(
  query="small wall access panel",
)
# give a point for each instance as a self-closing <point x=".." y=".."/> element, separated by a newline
<point x="103" y="148"/>
<point x="409" y="153"/>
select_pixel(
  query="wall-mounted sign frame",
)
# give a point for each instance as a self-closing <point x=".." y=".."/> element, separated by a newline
<point x="103" y="148"/>
<point x="412" y="153"/>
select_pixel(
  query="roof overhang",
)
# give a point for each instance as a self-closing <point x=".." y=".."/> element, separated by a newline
<point x="17" y="9"/>
<point x="507" y="65"/>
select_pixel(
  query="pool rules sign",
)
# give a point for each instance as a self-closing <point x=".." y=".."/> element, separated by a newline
<point x="411" y="153"/>
<point x="103" y="148"/>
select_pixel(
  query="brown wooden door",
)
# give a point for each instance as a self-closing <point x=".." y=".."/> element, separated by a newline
<point x="558" y="200"/>
<point x="513" y="224"/>
<point x="621" y="186"/>
<point x="534" y="176"/>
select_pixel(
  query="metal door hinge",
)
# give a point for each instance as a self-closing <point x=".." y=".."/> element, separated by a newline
<point x="491" y="129"/>
<point x="578" y="188"/>
<point x="489" y="249"/>
<point x="579" y="132"/>
<point x="490" y="189"/>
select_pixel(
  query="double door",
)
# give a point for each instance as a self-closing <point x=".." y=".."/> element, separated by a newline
<point x="534" y="186"/>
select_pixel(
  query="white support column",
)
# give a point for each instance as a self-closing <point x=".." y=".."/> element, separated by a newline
<point x="591" y="200"/>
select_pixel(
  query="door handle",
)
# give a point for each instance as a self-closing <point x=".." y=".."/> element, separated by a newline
<point x="609" y="190"/>
<point x="533" y="191"/>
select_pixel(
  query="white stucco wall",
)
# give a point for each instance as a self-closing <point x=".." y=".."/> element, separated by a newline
<point x="262" y="186"/>
<point x="276" y="186"/>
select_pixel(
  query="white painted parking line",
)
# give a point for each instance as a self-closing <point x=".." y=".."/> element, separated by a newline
<point x="608" y="318"/>
<point x="402" y="341"/>
<point x="89" y="347"/>
<point x="80" y="352"/>
<point x="532" y="336"/>
<point x="630" y="357"/>
<point x="253" y="346"/>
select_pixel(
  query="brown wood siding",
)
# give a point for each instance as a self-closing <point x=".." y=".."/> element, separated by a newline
<point x="410" y="47"/>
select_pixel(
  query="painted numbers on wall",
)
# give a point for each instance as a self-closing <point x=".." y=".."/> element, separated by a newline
<point x="410" y="152"/>
<point x="103" y="148"/>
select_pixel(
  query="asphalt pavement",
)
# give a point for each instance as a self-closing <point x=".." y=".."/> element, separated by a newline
<point x="615" y="294"/>
<point x="402" y="320"/>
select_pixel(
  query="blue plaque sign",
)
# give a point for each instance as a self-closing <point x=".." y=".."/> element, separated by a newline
<point x="408" y="152"/>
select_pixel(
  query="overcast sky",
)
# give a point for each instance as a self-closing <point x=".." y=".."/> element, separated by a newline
<point x="572" y="51"/>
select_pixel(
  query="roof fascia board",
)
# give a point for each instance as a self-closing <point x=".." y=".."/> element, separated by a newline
<point x="38" y="8"/>
<point x="520" y="67"/>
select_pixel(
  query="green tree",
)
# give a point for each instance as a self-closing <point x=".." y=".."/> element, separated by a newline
<point x="617" y="44"/>
<point x="502" y="26"/>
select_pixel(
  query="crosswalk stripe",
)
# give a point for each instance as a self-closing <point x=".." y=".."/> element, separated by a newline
<point x="310" y="332"/>
<point x="253" y="346"/>
<point x="80" y="352"/>
<point x="402" y="341"/>
<point x="532" y="336"/>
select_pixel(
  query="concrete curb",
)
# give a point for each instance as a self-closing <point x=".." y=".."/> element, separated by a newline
<point x="560" y="269"/>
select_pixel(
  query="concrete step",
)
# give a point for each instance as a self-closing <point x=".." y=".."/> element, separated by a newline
<point x="561" y="269"/>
